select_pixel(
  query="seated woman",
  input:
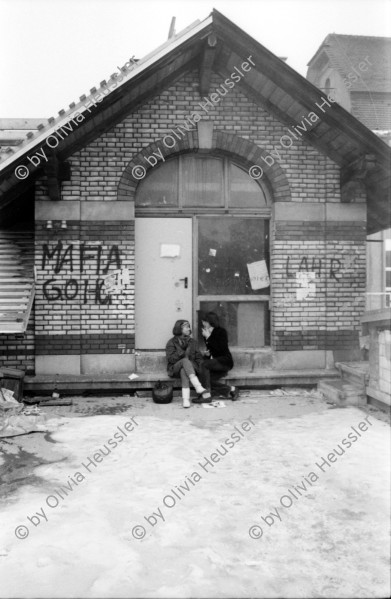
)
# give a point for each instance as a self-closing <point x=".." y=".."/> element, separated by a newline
<point x="184" y="360"/>
<point x="218" y="360"/>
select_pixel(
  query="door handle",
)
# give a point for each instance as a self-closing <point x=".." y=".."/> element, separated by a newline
<point x="186" y="280"/>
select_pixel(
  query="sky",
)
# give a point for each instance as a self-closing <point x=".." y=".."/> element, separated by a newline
<point x="53" y="51"/>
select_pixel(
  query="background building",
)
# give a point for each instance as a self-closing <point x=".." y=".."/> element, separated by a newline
<point x="356" y="69"/>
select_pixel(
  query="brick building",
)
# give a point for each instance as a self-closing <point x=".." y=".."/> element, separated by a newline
<point x="207" y="175"/>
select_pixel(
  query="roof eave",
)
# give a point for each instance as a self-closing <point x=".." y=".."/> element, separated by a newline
<point x="145" y="63"/>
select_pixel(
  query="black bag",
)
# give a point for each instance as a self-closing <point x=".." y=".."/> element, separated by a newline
<point x="162" y="393"/>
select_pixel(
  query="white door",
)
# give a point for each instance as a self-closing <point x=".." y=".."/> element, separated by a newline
<point x="163" y="278"/>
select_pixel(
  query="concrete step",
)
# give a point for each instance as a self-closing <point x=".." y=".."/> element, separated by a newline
<point x="72" y="384"/>
<point x="343" y="393"/>
<point x="356" y="373"/>
<point x="332" y="390"/>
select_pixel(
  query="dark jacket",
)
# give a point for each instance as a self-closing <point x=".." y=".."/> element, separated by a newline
<point x="217" y="344"/>
<point x="175" y="352"/>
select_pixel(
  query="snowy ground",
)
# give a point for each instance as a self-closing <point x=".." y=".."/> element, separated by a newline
<point x="153" y="518"/>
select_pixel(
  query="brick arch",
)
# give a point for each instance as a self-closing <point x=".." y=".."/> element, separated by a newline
<point x="244" y="151"/>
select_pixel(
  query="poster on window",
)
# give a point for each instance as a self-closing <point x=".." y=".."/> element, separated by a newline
<point x="259" y="276"/>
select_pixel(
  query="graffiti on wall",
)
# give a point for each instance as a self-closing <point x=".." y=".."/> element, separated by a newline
<point x="308" y="270"/>
<point x="330" y="266"/>
<point x="81" y="258"/>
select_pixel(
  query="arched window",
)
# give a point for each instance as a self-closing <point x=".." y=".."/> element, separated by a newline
<point x="194" y="181"/>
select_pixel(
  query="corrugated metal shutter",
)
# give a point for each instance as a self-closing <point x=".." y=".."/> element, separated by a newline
<point x="16" y="280"/>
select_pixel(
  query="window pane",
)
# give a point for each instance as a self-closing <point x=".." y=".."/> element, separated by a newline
<point x="388" y="278"/>
<point x="244" y="192"/>
<point x="160" y="188"/>
<point x="225" y="247"/>
<point x="247" y="323"/>
<point x="388" y="259"/>
<point x="202" y="181"/>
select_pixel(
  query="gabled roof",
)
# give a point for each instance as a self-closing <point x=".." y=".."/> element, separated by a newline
<point x="218" y="45"/>
<point x="105" y="89"/>
<point x="346" y="52"/>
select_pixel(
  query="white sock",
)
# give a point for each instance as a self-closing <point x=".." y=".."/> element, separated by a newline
<point x="186" y="397"/>
<point x="196" y="384"/>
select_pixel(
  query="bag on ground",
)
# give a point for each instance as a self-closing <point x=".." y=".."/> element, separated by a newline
<point x="162" y="393"/>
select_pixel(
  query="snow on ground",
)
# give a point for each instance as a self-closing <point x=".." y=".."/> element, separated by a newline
<point x="141" y="523"/>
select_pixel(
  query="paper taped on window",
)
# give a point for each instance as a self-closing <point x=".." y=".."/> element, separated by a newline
<point x="259" y="276"/>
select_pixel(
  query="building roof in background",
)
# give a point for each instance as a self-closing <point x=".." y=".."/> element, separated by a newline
<point x="345" y="52"/>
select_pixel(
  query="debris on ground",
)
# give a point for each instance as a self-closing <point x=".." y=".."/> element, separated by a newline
<point x="214" y="404"/>
<point x="8" y="402"/>
<point x="15" y="419"/>
<point x="287" y="391"/>
<point x="7" y="396"/>
<point x="12" y="379"/>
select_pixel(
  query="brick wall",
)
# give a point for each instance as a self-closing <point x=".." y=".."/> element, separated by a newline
<point x="74" y="313"/>
<point x="318" y="284"/>
<point x="97" y="169"/>
<point x="18" y="351"/>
